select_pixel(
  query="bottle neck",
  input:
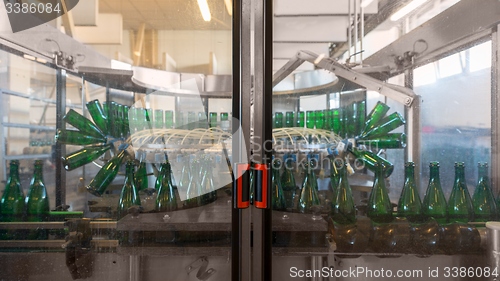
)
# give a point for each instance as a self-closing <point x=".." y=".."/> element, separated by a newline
<point x="129" y="172"/>
<point x="434" y="173"/>
<point x="482" y="172"/>
<point x="460" y="173"/>
<point x="14" y="171"/>
<point x="410" y="173"/>
<point x="38" y="175"/>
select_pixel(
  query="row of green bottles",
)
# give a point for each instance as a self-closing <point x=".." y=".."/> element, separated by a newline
<point x="129" y="195"/>
<point x="15" y="207"/>
<point x="459" y="208"/>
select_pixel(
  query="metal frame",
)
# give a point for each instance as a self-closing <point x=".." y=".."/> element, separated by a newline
<point x="60" y="150"/>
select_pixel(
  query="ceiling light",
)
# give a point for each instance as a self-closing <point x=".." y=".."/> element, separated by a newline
<point x="29" y="57"/>
<point x="319" y="58"/>
<point x="205" y="11"/>
<point x="229" y="6"/>
<point x="407" y="9"/>
<point x="40" y="60"/>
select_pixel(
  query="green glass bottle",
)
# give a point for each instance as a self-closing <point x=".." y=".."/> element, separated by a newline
<point x="360" y="117"/>
<point x="213" y="119"/>
<point x="394" y="140"/>
<point x="350" y="120"/>
<point x="81" y="123"/>
<point x="194" y="191"/>
<point x="224" y="116"/>
<point x="343" y="210"/>
<point x="460" y="207"/>
<point x="13" y="202"/>
<point x="278" y="198"/>
<point x="375" y="116"/>
<point x="159" y="178"/>
<point x="169" y="119"/>
<point x="158" y="119"/>
<point x="141" y="175"/>
<point x="129" y="196"/>
<point x="309" y="193"/>
<point x="98" y="115"/>
<point x="485" y="208"/>
<point x="370" y="159"/>
<point x="106" y="175"/>
<point x="185" y="178"/>
<point x="310" y="119"/>
<point x="126" y="121"/>
<point x="329" y="120"/>
<point x="202" y="120"/>
<point x="379" y="207"/>
<point x="278" y="120"/>
<point x="207" y="181"/>
<point x="120" y="122"/>
<point x="320" y="119"/>
<point x="434" y="204"/>
<point x="409" y="205"/>
<point x="37" y="203"/>
<point x="337" y="121"/>
<point x="114" y="122"/>
<point x="334" y="176"/>
<point x="83" y="156"/>
<point x="166" y="200"/>
<point x="387" y="124"/>
<point x="191" y="120"/>
<point x="300" y="119"/>
<point x="288" y="182"/>
<point x="77" y="138"/>
<point x="289" y="119"/>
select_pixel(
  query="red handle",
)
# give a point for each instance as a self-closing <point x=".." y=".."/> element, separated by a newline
<point x="261" y="198"/>
<point x="242" y="192"/>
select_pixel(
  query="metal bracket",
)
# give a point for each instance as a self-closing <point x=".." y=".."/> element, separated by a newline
<point x="400" y="94"/>
<point x="202" y="274"/>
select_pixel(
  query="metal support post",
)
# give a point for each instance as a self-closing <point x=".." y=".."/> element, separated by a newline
<point x="60" y="149"/>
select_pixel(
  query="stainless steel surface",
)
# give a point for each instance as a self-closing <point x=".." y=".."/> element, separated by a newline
<point x="315" y="78"/>
<point x="56" y="244"/>
<point x="135" y="267"/>
<point x="219" y="83"/>
<point x="462" y="20"/>
<point x="493" y="244"/>
<point x="60" y="149"/>
<point x="400" y="94"/>
<point x="54" y="225"/>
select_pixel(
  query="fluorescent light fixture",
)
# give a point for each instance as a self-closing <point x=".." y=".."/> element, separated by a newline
<point x="366" y="3"/>
<point x="407" y="9"/>
<point x="29" y="57"/>
<point x="205" y="11"/>
<point x="137" y="53"/>
<point x="229" y="6"/>
<point x="40" y="60"/>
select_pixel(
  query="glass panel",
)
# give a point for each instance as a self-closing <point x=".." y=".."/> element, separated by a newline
<point x="145" y="173"/>
<point x="449" y="135"/>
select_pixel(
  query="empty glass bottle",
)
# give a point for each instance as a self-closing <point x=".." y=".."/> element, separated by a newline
<point x="278" y="198"/>
<point x="288" y="182"/>
<point x="460" y="207"/>
<point x="360" y="116"/>
<point x="213" y="119"/>
<point x="166" y="200"/>
<point x="207" y="181"/>
<point x="12" y="204"/>
<point x="343" y="210"/>
<point x="278" y="120"/>
<point x="409" y="204"/>
<point x="106" y="175"/>
<point x="485" y="208"/>
<point x="169" y="119"/>
<point x="310" y="119"/>
<point x="334" y="176"/>
<point x="300" y="119"/>
<point x="375" y="116"/>
<point x="289" y="119"/>
<point x="194" y="191"/>
<point x="370" y="159"/>
<point x="394" y="140"/>
<point x="379" y="207"/>
<point x="387" y="124"/>
<point x="83" y="156"/>
<point x="320" y="119"/>
<point x="434" y="204"/>
<point x="336" y="126"/>
<point x="158" y="119"/>
<point x="98" y="115"/>
<point x="350" y="120"/>
<point x="81" y="123"/>
<point x="309" y="193"/>
<point x="129" y="196"/>
<point x="77" y="138"/>
<point x="141" y="175"/>
<point x="37" y="202"/>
